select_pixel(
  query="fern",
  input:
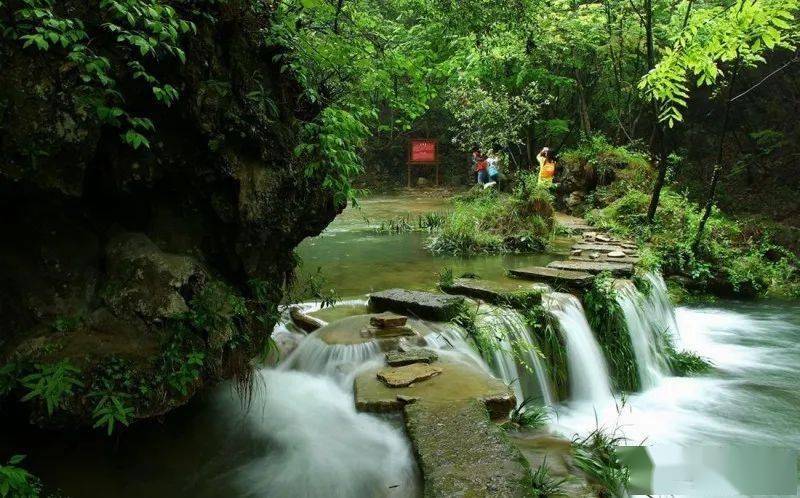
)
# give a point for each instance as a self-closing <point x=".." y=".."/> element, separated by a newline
<point x="111" y="410"/>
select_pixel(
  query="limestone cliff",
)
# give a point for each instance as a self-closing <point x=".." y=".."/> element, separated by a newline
<point x="152" y="271"/>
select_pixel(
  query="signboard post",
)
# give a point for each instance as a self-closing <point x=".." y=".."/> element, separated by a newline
<point x="423" y="152"/>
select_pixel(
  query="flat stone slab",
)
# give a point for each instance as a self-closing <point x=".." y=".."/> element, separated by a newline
<point x="388" y="319"/>
<point x="492" y="292"/>
<point x="410" y="356"/>
<point x="457" y="382"/>
<point x="426" y="305"/>
<point x="462" y="453"/>
<point x="357" y="330"/>
<point x="616" y="269"/>
<point x="407" y="375"/>
<point x="603" y="258"/>
<point x="601" y="248"/>
<point x="553" y="276"/>
<point x="384" y="332"/>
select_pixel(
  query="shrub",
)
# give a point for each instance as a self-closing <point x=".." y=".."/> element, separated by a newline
<point x="491" y="222"/>
<point x="728" y="260"/>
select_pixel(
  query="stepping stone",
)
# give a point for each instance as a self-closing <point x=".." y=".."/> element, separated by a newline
<point x="598" y="258"/>
<point x="305" y="322"/>
<point x="382" y="333"/>
<point x="458" y="381"/>
<point x="616" y="269"/>
<point x="553" y="276"/>
<point x="494" y="293"/>
<point x="603" y="248"/>
<point x="406" y="375"/>
<point x="426" y="305"/>
<point x="616" y="254"/>
<point x="594" y="255"/>
<point x="410" y="356"/>
<point x="388" y="320"/>
<point x="576" y="252"/>
<point x="603" y="238"/>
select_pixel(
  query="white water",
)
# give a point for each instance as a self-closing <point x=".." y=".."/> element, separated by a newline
<point x="320" y="446"/>
<point x="527" y="377"/>
<point x="643" y="332"/>
<point x="588" y="373"/>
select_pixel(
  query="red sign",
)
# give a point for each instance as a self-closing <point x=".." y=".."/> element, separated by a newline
<point x="423" y="152"/>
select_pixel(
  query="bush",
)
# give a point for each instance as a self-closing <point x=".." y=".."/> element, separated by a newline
<point x="728" y="260"/>
<point x="485" y="221"/>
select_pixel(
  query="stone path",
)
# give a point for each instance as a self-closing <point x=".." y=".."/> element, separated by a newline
<point x="595" y="252"/>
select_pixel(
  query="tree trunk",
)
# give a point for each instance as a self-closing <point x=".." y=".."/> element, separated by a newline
<point x="659" y="137"/>
<point x="717" y="173"/>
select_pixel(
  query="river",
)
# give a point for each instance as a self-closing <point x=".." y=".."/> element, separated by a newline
<point x="302" y="437"/>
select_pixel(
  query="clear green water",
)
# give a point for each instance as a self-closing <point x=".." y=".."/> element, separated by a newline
<point x="357" y="260"/>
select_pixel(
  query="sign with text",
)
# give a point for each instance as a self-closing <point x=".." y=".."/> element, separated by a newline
<point x="423" y="151"/>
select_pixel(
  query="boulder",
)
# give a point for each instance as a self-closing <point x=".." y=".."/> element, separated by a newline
<point x="410" y="356"/>
<point x="406" y="375"/>
<point x="426" y="305"/>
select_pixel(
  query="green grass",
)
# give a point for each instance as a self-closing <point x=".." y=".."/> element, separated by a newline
<point x="486" y="221"/>
<point x="543" y="484"/>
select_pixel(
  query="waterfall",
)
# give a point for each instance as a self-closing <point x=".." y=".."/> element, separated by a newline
<point x="339" y="361"/>
<point x="648" y="319"/>
<point x="588" y="373"/>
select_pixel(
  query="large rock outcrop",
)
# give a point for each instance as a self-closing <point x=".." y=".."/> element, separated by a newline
<point x="151" y="270"/>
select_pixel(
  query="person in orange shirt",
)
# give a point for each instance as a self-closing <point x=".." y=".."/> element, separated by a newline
<point x="547" y="167"/>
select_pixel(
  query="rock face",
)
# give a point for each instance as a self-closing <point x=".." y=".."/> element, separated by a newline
<point x="426" y="305"/>
<point x="149" y="257"/>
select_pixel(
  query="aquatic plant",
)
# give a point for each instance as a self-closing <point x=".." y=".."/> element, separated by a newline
<point x="529" y="415"/>
<point x="445" y="278"/>
<point x="596" y="455"/>
<point x="543" y="484"/>
<point x="607" y="320"/>
<point x="685" y="363"/>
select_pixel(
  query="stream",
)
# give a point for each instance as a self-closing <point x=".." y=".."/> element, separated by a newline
<point x="301" y="435"/>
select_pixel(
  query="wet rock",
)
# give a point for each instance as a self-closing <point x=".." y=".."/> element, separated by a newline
<point x="388" y="332"/>
<point x="406" y="375"/>
<point x="616" y="254"/>
<point x="426" y="305"/>
<point x="306" y="322"/>
<point x="616" y="269"/>
<point x="457" y="382"/>
<point x="601" y="248"/>
<point x="462" y="453"/>
<point x="553" y="276"/>
<point x="603" y="237"/>
<point x="410" y="356"/>
<point x="494" y="293"/>
<point x="388" y="319"/>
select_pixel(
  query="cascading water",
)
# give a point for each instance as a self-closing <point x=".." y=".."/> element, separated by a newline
<point x="526" y="376"/>
<point x="648" y="320"/>
<point x="319" y="445"/>
<point x="588" y="373"/>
